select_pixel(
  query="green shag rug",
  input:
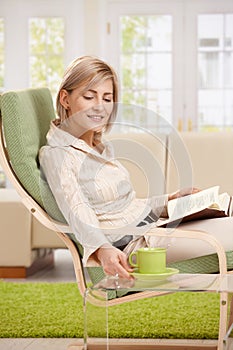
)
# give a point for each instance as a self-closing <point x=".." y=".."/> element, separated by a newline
<point x="53" y="310"/>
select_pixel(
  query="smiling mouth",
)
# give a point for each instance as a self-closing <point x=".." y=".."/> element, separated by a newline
<point x="96" y="117"/>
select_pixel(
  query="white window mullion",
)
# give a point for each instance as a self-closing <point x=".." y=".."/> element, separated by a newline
<point x="74" y="29"/>
<point x="16" y="51"/>
<point x="190" y="69"/>
<point x="112" y="47"/>
<point x="178" y="68"/>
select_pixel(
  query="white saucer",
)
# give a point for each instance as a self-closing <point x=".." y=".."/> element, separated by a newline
<point x="157" y="276"/>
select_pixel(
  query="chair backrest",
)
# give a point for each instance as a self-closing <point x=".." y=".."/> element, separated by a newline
<point x="26" y="116"/>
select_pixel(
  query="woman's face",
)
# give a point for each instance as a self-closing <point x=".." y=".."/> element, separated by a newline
<point x="89" y="110"/>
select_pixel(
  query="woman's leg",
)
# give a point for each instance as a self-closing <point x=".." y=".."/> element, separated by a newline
<point x="184" y="248"/>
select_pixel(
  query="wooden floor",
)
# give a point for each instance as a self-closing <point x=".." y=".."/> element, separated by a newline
<point x="63" y="272"/>
<point x="127" y="344"/>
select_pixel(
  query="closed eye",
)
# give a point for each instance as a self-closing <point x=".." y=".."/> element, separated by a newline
<point x="108" y="100"/>
<point x="88" y="97"/>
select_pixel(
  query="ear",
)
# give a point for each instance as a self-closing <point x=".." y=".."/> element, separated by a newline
<point x="64" y="99"/>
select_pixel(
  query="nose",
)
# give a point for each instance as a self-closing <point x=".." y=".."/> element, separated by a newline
<point x="99" y="105"/>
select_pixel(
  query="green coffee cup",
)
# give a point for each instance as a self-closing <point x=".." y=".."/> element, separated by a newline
<point x="149" y="260"/>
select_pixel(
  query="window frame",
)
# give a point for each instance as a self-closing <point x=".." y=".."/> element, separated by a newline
<point x="16" y="62"/>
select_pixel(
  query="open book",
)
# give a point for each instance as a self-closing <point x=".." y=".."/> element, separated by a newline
<point x="205" y="204"/>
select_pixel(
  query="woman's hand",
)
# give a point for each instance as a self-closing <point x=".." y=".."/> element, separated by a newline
<point x="183" y="192"/>
<point x="114" y="261"/>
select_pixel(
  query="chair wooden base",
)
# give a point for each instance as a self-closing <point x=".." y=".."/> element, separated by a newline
<point x="146" y="344"/>
<point x="23" y="272"/>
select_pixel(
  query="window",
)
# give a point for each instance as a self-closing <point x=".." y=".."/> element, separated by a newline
<point x="2" y="175"/>
<point x="146" y="63"/>
<point x="1" y="54"/>
<point x="175" y="58"/>
<point x="215" y="65"/>
<point x="46" y="52"/>
<point x="39" y="41"/>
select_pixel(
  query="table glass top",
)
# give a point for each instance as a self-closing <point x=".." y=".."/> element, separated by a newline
<point x="174" y="282"/>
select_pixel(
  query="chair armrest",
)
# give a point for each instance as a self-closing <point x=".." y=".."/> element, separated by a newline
<point x="191" y="234"/>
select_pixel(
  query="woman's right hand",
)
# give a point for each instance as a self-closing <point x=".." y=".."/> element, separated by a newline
<point x="183" y="192"/>
<point x="114" y="261"/>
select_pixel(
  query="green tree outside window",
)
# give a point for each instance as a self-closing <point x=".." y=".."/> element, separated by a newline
<point x="146" y="65"/>
<point x="46" y="52"/>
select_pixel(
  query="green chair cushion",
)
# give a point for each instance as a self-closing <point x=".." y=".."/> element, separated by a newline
<point x="203" y="264"/>
<point x="32" y="111"/>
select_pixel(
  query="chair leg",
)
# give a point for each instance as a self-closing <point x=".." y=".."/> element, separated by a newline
<point x="223" y="319"/>
<point x="230" y="300"/>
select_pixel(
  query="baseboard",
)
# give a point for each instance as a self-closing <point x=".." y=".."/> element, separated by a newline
<point x="38" y="264"/>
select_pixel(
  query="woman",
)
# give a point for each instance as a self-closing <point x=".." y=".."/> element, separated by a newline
<point x="92" y="189"/>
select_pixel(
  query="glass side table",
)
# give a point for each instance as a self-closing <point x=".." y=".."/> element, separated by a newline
<point x="101" y="293"/>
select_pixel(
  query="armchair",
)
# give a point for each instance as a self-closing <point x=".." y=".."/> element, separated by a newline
<point x="25" y="119"/>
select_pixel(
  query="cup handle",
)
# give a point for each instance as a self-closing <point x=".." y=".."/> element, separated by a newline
<point x="131" y="261"/>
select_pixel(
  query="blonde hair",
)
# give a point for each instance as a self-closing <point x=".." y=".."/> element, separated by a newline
<point x="85" y="72"/>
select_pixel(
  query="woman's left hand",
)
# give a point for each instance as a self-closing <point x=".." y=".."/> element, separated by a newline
<point x="183" y="192"/>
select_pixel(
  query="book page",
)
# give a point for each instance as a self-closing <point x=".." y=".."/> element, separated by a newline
<point x="183" y="206"/>
<point x="230" y="210"/>
<point x="224" y="202"/>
